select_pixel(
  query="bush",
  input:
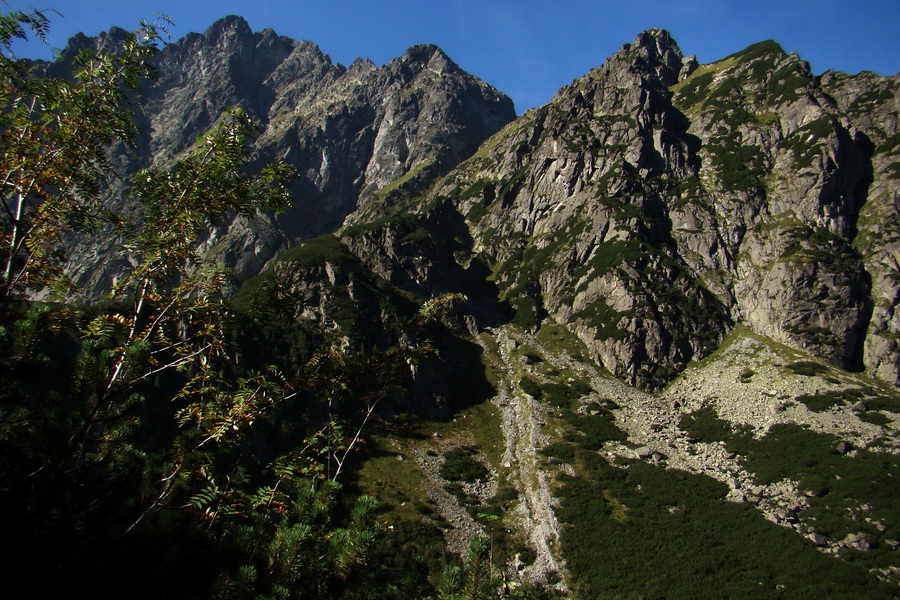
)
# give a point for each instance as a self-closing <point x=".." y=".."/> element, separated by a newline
<point x="561" y="395"/>
<point x="807" y="368"/>
<point x="705" y="425"/>
<point x="828" y="400"/>
<point x="530" y="387"/>
<point x="562" y="451"/>
<point x="619" y="519"/>
<point x="460" y="464"/>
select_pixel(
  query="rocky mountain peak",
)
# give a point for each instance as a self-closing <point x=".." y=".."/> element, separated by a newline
<point x="656" y="41"/>
<point x="359" y="66"/>
<point x="79" y="41"/>
<point x="430" y="56"/>
<point x="655" y="51"/>
<point x="653" y="204"/>
<point x="113" y="36"/>
<point x="227" y="26"/>
<point x="310" y="55"/>
<point x="740" y="184"/>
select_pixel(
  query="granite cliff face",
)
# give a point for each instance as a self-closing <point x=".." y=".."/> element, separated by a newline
<point x="654" y="203"/>
<point x="648" y="208"/>
<point x="349" y="131"/>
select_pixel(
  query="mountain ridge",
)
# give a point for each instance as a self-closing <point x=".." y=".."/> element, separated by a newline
<point x="643" y="134"/>
<point x="707" y="170"/>
<point x="349" y="132"/>
<point x="668" y="272"/>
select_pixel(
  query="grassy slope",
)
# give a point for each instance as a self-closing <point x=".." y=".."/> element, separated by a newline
<point x="638" y="530"/>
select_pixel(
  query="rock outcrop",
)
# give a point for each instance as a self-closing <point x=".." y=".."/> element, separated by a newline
<point x="649" y="207"/>
<point x="349" y="131"/>
<point x="655" y="202"/>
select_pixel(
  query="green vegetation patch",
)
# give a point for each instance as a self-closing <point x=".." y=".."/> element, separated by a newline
<point x="874" y="418"/>
<point x="894" y="170"/>
<point x="610" y="254"/>
<point x="326" y="249"/>
<point x="562" y="395"/>
<point x="786" y="83"/>
<point x="619" y="530"/>
<point x="664" y="292"/>
<point x="605" y="319"/>
<point x="872" y="400"/>
<point x="419" y="235"/>
<point x="689" y="191"/>
<point x="847" y="493"/>
<point x="806" y="143"/>
<point x="414" y="178"/>
<point x="397" y="483"/>
<point x="317" y="252"/>
<point x="476" y="213"/>
<point x="716" y="86"/>
<point x="617" y="518"/>
<point x="621" y="209"/>
<point x="531" y="387"/>
<point x="593" y="430"/>
<point x="872" y="98"/>
<point x="808" y="368"/>
<point x="704" y="425"/>
<point x="531" y="354"/>
<point x="460" y="465"/>
<point x="561" y="451"/>
<point x="620" y="522"/>
<point x="828" y="400"/>
<point x="474" y="189"/>
<point x="527" y="312"/>
<point x="875" y="400"/>
<point x="556" y="338"/>
<point x="890" y="145"/>
<point x="694" y="90"/>
<point x="765" y="50"/>
<point x="789" y="451"/>
<point x="521" y="272"/>
<point x="366" y="315"/>
<point x="403" y="219"/>
<point x="738" y="167"/>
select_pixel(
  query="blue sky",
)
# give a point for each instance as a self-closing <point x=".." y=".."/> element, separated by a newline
<point x="525" y="48"/>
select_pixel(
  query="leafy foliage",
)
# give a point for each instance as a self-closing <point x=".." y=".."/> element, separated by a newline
<point x="136" y="452"/>
<point x="476" y="580"/>
<point x="54" y="135"/>
<point x="840" y="488"/>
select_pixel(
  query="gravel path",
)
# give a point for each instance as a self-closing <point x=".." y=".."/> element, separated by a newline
<point x="522" y="417"/>
<point x="462" y="526"/>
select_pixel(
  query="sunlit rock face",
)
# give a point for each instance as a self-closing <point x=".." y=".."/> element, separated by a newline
<point x="655" y="202"/>
<point x="349" y="131"/>
<point x="649" y="207"/>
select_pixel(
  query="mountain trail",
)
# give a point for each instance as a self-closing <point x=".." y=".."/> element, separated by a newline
<point x="522" y="417"/>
